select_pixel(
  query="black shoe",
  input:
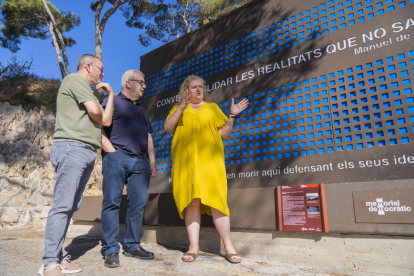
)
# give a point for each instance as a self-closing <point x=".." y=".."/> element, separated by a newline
<point x="140" y="253"/>
<point x="112" y="260"/>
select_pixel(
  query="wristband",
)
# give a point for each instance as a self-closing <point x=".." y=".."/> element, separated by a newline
<point x="232" y="116"/>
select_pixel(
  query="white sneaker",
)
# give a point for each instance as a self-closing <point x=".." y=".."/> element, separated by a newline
<point x="52" y="269"/>
<point x="40" y="270"/>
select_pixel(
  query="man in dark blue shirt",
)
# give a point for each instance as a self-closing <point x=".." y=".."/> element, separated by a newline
<point x="128" y="158"/>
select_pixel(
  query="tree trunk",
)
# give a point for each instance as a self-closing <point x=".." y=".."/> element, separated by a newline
<point x="98" y="33"/>
<point x="98" y="44"/>
<point x="100" y="27"/>
<point x="56" y="45"/>
<point x="61" y="41"/>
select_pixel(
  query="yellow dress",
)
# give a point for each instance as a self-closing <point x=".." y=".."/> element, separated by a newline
<point x="198" y="169"/>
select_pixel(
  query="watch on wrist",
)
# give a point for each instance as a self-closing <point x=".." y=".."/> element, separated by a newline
<point x="233" y="116"/>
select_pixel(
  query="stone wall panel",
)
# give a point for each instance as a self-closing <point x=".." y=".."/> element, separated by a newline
<point x="27" y="177"/>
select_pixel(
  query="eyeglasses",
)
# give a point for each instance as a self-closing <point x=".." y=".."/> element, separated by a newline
<point x="139" y="81"/>
<point x="100" y="68"/>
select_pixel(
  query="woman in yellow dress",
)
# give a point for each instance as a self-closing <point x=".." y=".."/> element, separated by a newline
<point x="198" y="170"/>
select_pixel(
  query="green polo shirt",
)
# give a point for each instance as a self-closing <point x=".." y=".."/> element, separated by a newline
<point x="72" y="120"/>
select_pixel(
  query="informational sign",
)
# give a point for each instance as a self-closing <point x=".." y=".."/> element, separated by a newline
<point x="302" y="208"/>
<point x="384" y="206"/>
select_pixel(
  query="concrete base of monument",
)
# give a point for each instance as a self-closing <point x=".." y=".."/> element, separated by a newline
<point x="345" y="253"/>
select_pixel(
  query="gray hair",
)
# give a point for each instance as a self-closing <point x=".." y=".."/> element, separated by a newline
<point x="128" y="75"/>
<point x="84" y="59"/>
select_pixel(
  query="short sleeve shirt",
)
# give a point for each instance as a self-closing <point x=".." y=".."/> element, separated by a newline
<point x="72" y="120"/>
<point x="128" y="133"/>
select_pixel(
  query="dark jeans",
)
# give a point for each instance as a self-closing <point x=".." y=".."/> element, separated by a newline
<point x="119" y="169"/>
<point x="73" y="163"/>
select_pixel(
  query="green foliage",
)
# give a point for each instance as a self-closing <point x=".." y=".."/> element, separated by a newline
<point x="133" y="10"/>
<point x="213" y="9"/>
<point x="94" y="4"/>
<point x="2" y="69"/>
<point x="14" y="80"/>
<point x="28" y="19"/>
<point x="158" y="30"/>
<point x="46" y="97"/>
<point x="137" y="10"/>
<point x="174" y="20"/>
<point x="19" y="86"/>
<point x="16" y="70"/>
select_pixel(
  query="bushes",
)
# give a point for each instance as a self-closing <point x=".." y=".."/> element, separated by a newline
<point x="19" y="86"/>
<point x="15" y="70"/>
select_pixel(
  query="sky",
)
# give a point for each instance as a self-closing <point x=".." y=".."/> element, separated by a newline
<point x="121" y="49"/>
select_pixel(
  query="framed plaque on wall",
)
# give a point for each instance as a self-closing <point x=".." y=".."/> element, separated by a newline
<point x="302" y="208"/>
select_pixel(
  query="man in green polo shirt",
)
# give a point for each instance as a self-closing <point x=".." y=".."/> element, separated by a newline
<point x="79" y="118"/>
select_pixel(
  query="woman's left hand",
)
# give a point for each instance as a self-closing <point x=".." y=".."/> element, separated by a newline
<point x="239" y="107"/>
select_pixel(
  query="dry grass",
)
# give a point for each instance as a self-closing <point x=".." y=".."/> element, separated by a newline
<point x="30" y="92"/>
<point x="33" y="92"/>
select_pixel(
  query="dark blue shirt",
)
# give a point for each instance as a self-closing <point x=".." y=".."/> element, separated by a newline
<point x="128" y="133"/>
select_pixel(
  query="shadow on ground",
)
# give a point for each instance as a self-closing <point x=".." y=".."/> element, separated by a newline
<point x="82" y="244"/>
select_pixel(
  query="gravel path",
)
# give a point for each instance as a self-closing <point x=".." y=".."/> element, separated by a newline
<point x="21" y="251"/>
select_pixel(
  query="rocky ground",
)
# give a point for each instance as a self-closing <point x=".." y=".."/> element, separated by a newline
<point x="21" y="251"/>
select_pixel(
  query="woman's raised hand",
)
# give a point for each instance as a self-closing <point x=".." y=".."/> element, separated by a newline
<point x="239" y="107"/>
<point x="185" y="102"/>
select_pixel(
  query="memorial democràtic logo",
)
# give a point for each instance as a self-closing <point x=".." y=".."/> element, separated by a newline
<point x="311" y="229"/>
<point x="382" y="206"/>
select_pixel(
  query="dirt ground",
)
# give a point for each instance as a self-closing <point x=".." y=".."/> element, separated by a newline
<point x="21" y="252"/>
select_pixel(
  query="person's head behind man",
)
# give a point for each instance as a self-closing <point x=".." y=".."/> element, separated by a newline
<point x="133" y="84"/>
<point x="91" y="67"/>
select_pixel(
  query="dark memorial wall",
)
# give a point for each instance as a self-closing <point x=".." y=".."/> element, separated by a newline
<point x="331" y="90"/>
